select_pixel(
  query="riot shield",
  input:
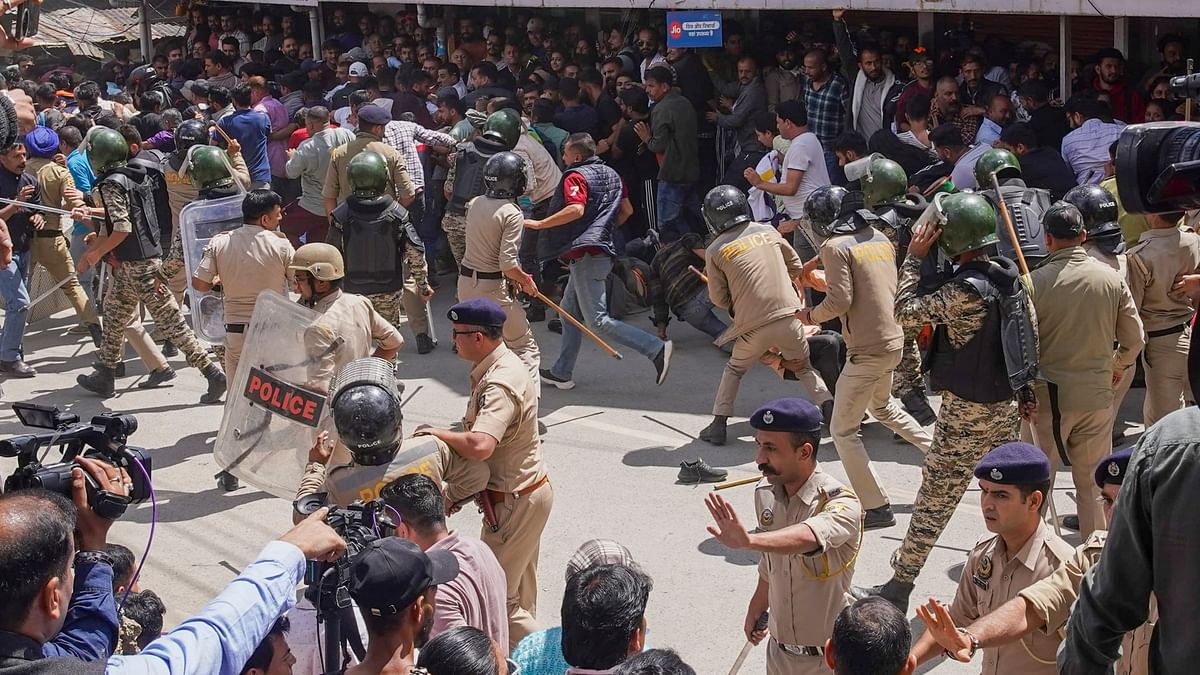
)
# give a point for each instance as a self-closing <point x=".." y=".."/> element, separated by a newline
<point x="199" y="222"/>
<point x="273" y="413"/>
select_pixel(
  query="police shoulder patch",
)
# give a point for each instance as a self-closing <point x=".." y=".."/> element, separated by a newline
<point x="766" y="517"/>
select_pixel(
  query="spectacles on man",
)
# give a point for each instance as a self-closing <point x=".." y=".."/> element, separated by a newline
<point x="466" y="332"/>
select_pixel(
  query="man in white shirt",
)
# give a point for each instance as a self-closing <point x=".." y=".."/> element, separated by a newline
<point x="804" y="167"/>
<point x="949" y="146"/>
<point x="647" y="46"/>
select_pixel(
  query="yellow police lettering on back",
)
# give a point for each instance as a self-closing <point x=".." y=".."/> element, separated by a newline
<point x="739" y="246"/>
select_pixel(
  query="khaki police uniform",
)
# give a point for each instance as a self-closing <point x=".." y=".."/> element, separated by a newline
<point x="1120" y="263"/>
<point x="1083" y="308"/>
<point x="49" y="246"/>
<point x="860" y="269"/>
<point x="494" y="230"/>
<point x="991" y="577"/>
<point x="807" y="591"/>
<point x="1160" y="256"/>
<point x="750" y="271"/>
<point x="504" y="405"/>
<point x="337" y="186"/>
<point x="1052" y="599"/>
<point x="248" y="260"/>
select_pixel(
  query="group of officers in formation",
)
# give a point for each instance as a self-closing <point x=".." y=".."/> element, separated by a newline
<point x="1031" y="364"/>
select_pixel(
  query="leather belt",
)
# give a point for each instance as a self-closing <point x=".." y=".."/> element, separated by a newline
<point x="464" y="271"/>
<point x="1167" y="331"/>
<point x="235" y="328"/>
<point x="801" y="650"/>
<point x="499" y="497"/>
<point x="47" y="234"/>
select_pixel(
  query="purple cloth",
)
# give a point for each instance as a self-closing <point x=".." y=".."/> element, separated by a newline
<point x="478" y="596"/>
<point x="276" y="150"/>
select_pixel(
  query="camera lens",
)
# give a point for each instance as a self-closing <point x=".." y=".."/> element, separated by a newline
<point x="1158" y="167"/>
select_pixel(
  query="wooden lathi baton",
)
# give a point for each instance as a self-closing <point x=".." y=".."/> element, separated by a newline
<point x="223" y="134"/>
<point x="737" y="483"/>
<point x="759" y="625"/>
<point x="575" y="322"/>
<point x="702" y="275"/>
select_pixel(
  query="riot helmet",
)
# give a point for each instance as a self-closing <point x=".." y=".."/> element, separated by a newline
<point x="322" y="261"/>
<point x="189" y="133"/>
<point x="503" y="127"/>
<point x="504" y="176"/>
<point x="1099" y="211"/>
<point x="463" y="131"/>
<point x="724" y="207"/>
<point x="106" y="150"/>
<point x="824" y="206"/>
<point x="207" y="167"/>
<point x="883" y="181"/>
<point x="998" y="161"/>
<point x="968" y="222"/>
<point x="365" y="401"/>
<point x="367" y="174"/>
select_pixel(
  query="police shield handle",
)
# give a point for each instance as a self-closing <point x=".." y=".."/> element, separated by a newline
<point x="1008" y="225"/>
<point x="759" y="625"/>
<point x="578" y="324"/>
<point x="737" y="483"/>
<point x="702" y="275"/>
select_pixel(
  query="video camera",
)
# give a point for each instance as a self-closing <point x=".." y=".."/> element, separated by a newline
<point x="104" y="439"/>
<point x="1158" y="164"/>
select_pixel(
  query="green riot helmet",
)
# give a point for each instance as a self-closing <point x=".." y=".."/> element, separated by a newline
<point x="107" y="149"/>
<point x="884" y="181"/>
<point x="463" y="131"/>
<point x="968" y="222"/>
<point x="191" y="132"/>
<point x="1000" y="162"/>
<point x="724" y="207"/>
<point x="823" y="207"/>
<point x="504" y="176"/>
<point x="367" y="175"/>
<point x="504" y="127"/>
<point x="208" y="168"/>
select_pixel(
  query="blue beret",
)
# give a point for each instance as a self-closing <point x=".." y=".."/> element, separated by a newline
<point x="787" y="414"/>
<point x="1014" y="464"/>
<point x="1111" y="470"/>
<point x="477" y="312"/>
<point x="42" y="142"/>
<point x="373" y="114"/>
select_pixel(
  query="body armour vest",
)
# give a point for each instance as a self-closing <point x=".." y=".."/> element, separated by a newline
<point x="145" y="240"/>
<point x="372" y="244"/>
<point x="977" y="370"/>
<point x="595" y="227"/>
<point x="468" y="173"/>
<point x="153" y="162"/>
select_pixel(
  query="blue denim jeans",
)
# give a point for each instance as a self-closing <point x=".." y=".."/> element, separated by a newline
<point x="86" y="278"/>
<point x="16" y="306"/>
<point x="698" y="312"/>
<point x="671" y="203"/>
<point x="584" y="298"/>
<point x="836" y="175"/>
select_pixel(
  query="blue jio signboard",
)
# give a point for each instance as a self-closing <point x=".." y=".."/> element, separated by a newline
<point x="694" y="29"/>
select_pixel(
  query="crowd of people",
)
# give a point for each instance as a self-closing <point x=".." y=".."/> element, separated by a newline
<point x="875" y="218"/>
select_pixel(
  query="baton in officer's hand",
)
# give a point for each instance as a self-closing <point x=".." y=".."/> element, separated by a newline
<point x="759" y="626"/>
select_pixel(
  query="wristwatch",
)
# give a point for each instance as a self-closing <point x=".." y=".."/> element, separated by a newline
<point x="93" y="557"/>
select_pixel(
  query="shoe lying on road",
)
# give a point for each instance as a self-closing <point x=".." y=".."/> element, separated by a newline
<point x="698" y="471"/>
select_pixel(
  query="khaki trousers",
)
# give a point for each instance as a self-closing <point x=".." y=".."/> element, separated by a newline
<point x="1119" y="393"/>
<point x="1080" y="438"/>
<point x="54" y="254"/>
<point x="233" y="354"/>
<point x="1165" y="361"/>
<point x="517" y="334"/>
<point x="139" y="338"/>
<point x="866" y="384"/>
<point x="517" y="544"/>
<point x="780" y="662"/>
<point x="786" y="334"/>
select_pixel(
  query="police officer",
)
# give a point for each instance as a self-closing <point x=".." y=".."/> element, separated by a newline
<point x="1043" y="607"/>
<point x="365" y="402"/>
<point x="491" y="262"/>
<point x="860" y="272"/>
<point x="132" y="237"/>
<point x="1026" y="205"/>
<point x="1015" y="481"/>
<point x="371" y="122"/>
<point x="809" y="533"/>
<point x="750" y="271"/>
<point x="253" y="258"/>
<point x="1083" y="309"/>
<point x="385" y="258"/>
<point x="500" y="428"/>
<point x="464" y="180"/>
<point x="967" y="366"/>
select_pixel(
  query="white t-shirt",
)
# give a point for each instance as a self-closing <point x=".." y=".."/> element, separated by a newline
<point x="805" y="154"/>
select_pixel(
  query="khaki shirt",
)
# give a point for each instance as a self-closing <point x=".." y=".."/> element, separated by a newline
<point x="807" y="591"/>
<point x="181" y="191"/>
<point x="750" y="271"/>
<point x="337" y="186"/>
<point x="351" y="318"/>
<point x="494" y="228"/>
<point x="248" y="260"/>
<point x="860" y="269"/>
<point x="1052" y="599"/>
<point x="1083" y="307"/>
<point x="1118" y="262"/>
<point x="990" y="579"/>
<point x="1160" y="256"/>
<point x="504" y="405"/>
<point x="54" y="180"/>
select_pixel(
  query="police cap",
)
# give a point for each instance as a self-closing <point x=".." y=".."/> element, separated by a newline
<point x="477" y="312"/>
<point x="1014" y="464"/>
<point x="373" y="114"/>
<point x="1111" y="470"/>
<point x="789" y="415"/>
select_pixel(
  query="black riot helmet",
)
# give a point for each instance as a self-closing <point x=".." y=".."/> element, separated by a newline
<point x="1099" y="211"/>
<point x="189" y="133"/>
<point x="366" y="410"/>
<point x="823" y="207"/>
<point x="724" y="207"/>
<point x="504" y="176"/>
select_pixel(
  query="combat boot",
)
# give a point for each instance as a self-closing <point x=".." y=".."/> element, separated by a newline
<point x="425" y="343"/>
<point x="880" y="516"/>
<point x="169" y="349"/>
<point x="157" y="377"/>
<point x="216" y="387"/>
<point x="119" y="372"/>
<point x="715" y="433"/>
<point x="895" y="592"/>
<point x="918" y="406"/>
<point x="101" y="382"/>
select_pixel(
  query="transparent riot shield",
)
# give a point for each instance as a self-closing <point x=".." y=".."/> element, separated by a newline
<point x="274" y="409"/>
<point x="199" y="222"/>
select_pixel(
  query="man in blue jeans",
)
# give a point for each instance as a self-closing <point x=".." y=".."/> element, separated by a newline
<point x="590" y="202"/>
<point x="22" y="222"/>
<point x="671" y="134"/>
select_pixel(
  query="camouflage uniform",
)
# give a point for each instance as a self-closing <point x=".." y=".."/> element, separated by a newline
<point x="453" y="224"/>
<point x="965" y="430"/>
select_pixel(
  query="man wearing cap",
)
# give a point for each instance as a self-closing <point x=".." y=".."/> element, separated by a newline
<point x="1043" y="608"/>
<point x="1014" y="480"/>
<point x="809" y="533"/>
<point x="393" y="582"/>
<point x="501" y="428"/>
<point x="1083" y="309"/>
<point x="371" y="122"/>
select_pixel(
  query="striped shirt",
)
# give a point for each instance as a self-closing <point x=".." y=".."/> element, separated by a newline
<point x="1086" y="149"/>
<point x="403" y="136"/>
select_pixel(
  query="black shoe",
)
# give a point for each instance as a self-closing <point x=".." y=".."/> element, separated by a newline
<point x="216" y="387"/>
<point x="1071" y="522"/>
<point x="918" y="406"/>
<point x="1118" y="435"/>
<point x="895" y="592"/>
<point x="169" y="349"/>
<point x="535" y="313"/>
<point x="425" y="344"/>
<point x="662" y="362"/>
<point x="555" y="381"/>
<point x="698" y="471"/>
<point x="827" y="414"/>
<point x="715" y="432"/>
<point x="554" y="325"/>
<point x="157" y="377"/>
<point x="97" y="333"/>
<point x="119" y="371"/>
<point x="878" y="517"/>
<point x="99" y="382"/>
<point x="17" y="368"/>
<point x="227" y="481"/>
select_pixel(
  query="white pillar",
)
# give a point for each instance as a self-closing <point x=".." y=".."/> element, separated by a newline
<point x="147" y="43"/>
<point x="925" y="29"/>
<point x="1064" y="56"/>
<point x="315" y="29"/>
<point x="1121" y="34"/>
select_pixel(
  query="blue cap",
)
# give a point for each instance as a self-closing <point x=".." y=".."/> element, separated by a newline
<point x="787" y="414"/>
<point x="42" y="142"/>
<point x="1111" y="470"/>
<point x="373" y="114"/>
<point x="1014" y="464"/>
<point x="477" y="312"/>
<point x="308" y="65"/>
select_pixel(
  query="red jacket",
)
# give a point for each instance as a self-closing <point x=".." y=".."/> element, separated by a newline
<point x="1127" y="103"/>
